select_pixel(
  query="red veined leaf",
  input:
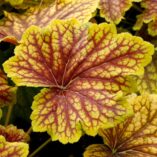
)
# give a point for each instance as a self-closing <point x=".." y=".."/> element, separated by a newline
<point x="12" y="134"/>
<point x="7" y="93"/>
<point x="13" y="25"/>
<point x="14" y="149"/>
<point x="148" y="16"/>
<point x="13" y="142"/>
<point x="136" y="137"/>
<point x="114" y="10"/>
<point x="84" y="67"/>
<point x="148" y="81"/>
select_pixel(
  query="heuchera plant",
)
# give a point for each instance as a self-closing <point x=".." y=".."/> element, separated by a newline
<point x="78" y="68"/>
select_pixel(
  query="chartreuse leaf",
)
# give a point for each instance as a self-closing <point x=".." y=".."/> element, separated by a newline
<point x="7" y="93"/>
<point x="13" y="142"/>
<point x="149" y="15"/>
<point x="84" y="66"/>
<point x="13" y="25"/>
<point x="136" y="137"/>
<point x="15" y="149"/>
<point x="15" y="2"/>
<point x="114" y="10"/>
<point x="148" y="81"/>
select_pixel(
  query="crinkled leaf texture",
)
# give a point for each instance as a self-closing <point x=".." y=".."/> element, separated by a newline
<point x="13" y="25"/>
<point x="13" y="149"/>
<point x="85" y="67"/>
<point x="136" y="137"/>
<point x="12" y="142"/>
<point x="12" y="134"/>
<point x="7" y="93"/>
<point x="114" y="10"/>
<point x="148" y="16"/>
<point x="148" y="81"/>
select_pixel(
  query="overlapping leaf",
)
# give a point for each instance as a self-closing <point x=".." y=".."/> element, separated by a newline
<point x="14" y="149"/>
<point x="114" y="10"/>
<point x="148" y="16"/>
<point x="7" y="93"/>
<point x="13" y="25"/>
<point x="12" y="142"/>
<point x="83" y="65"/>
<point x="148" y="81"/>
<point x="12" y="134"/>
<point x="136" y="137"/>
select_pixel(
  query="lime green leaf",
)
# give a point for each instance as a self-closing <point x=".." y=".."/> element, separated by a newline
<point x="114" y="10"/>
<point x="14" y="149"/>
<point x="15" y="2"/>
<point x="136" y="137"/>
<point x="84" y="67"/>
<point x="7" y="93"/>
<point x="148" y="81"/>
<point x="0" y="113"/>
<point x="148" y="16"/>
<point x="13" y="25"/>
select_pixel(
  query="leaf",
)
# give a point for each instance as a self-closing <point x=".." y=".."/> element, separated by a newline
<point x="114" y="10"/>
<point x="14" y="149"/>
<point x="13" y="25"/>
<point x="148" y="81"/>
<point x="136" y="137"/>
<point x="7" y="93"/>
<point x="15" y="2"/>
<point x="12" y="134"/>
<point x="0" y="113"/>
<point x="84" y="66"/>
<point x="25" y="4"/>
<point x="149" y="15"/>
<point x="13" y="142"/>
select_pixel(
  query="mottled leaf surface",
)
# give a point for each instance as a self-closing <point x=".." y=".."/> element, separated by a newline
<point x="13" y="149"/>
<point x="84" y="67"/>
<point x="148" y="81"/>
<point x="136" y="137"/>
<point x="114" y="10"/>
<point x="12" y="134"/>
<point x="149" y="15"/>
<point x="13" y="25"/>
<point x="7" y="93"/>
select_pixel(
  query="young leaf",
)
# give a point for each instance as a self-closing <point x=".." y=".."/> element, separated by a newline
<point x="14" y="149"/>
<point x="114" y="10"/>
<point x="7" y="93"/>
<point x="13" y="25"/>
<point x="83" y="65"/>
<point x="136" y="137"/>
<point x="148" y="81"/>
<point x="148" y="16"/>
